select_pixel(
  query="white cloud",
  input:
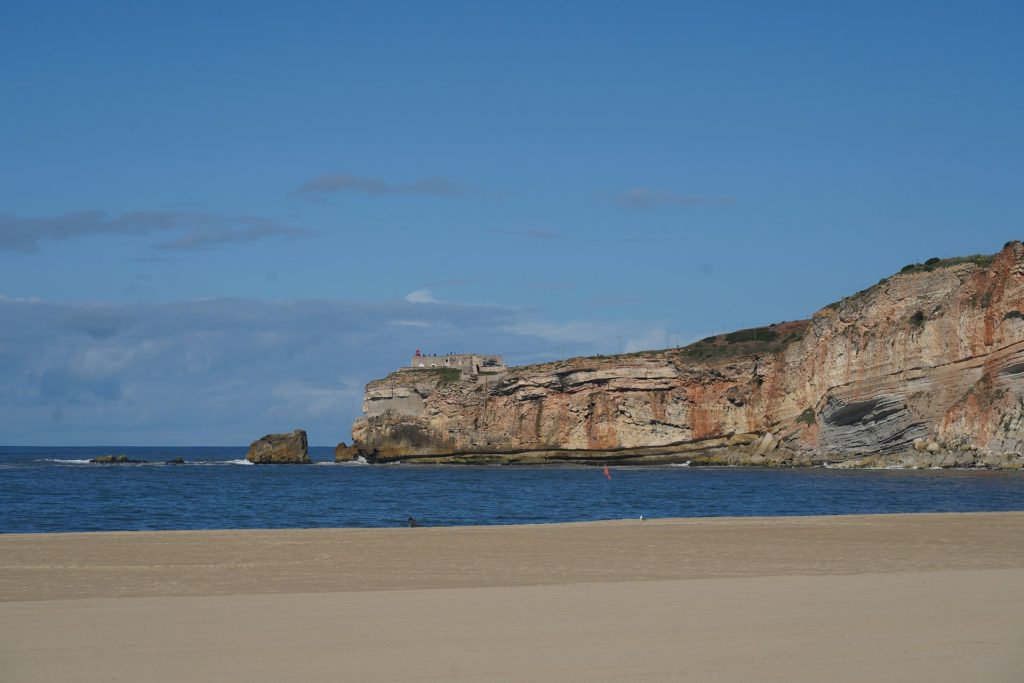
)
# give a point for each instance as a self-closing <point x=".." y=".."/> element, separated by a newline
<point x="196" y="230"/>
<point x="604" y="335"/>
<point x="421" y="296"/>
<point x="227" y="371"/>
<point x="214" y="371"/>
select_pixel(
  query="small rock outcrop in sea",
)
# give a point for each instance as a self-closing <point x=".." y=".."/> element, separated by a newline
<point x="923" y="369"/>
<point x="175" y="461"/>
<point x="115" y="460"/>
<point x="345" y="453"/>
<point x="276" y="449"/>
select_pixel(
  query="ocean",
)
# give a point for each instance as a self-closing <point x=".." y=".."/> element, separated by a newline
<point x="56" y="489"/>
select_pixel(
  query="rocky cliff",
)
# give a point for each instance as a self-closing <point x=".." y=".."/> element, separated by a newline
<point x="926" y="368"/>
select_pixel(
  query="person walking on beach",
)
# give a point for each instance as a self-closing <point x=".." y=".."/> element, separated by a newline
<point x="412" y="521"/>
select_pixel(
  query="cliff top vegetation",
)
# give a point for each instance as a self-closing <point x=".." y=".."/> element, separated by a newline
<point x="752" y="341"/>
<point x="928" y="266"/>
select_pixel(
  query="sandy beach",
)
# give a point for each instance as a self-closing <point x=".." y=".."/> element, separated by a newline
<point x="923" y="597"/>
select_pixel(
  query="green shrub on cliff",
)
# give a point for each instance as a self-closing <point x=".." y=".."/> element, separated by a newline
<point x="703" y="350"/>
<point x="762" y="334"/>
<point x="749" y="342"/>
<point x="447" y="375"/>
<point x="934" y="263"/>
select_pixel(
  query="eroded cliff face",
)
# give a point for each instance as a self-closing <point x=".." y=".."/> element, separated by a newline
<point x="924" y="369"/>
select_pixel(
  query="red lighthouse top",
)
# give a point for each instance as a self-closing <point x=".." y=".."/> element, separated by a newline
<point x="418" y="354"/>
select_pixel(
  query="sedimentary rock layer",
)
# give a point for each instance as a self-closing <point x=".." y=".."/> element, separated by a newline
<point x="926" y="368"/>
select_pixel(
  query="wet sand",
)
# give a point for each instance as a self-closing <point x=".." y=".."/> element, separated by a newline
<point x="889" y="597"/>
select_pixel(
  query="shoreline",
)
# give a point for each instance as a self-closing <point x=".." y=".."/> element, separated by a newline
<point x="594" y="522"/>
<point x="426" y="525"/>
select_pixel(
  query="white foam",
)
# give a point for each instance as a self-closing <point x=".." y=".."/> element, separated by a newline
<point x="64" y="461"/>
<point x="358" y="462"/>
<point x="679" y="464"/>
<point x="243" y="461"/>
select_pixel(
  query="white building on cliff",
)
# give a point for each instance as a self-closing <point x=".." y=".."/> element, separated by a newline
<point x="471" y="364"/>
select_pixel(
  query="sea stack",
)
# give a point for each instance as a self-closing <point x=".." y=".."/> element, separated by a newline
<point x="276" y="449"/>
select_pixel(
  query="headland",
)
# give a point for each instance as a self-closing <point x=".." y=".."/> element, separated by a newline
<point x="924" y="369"/>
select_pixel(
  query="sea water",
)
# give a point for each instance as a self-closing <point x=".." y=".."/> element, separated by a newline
<point x="56" y="489"/>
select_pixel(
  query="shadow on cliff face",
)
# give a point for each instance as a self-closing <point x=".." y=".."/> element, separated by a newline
<point x="401" y="439"/>
<point x="882" y="424"/>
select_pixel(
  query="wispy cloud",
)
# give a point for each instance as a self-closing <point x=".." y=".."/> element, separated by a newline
<point x="213" y="371"/>
<point x="541" y="234"/>
<point x="421" y="296"/>
<point x="345" y="182"/>
<point x="18" y="233"/>
<point x="229" y="370"/>
<point x="197" y="239"/>
<point x="581" y="337"/>
<point x="645" y="198"/>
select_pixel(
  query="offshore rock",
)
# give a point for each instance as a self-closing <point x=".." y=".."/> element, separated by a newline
<point x="115" y="460"/>
<point x="289" y="448"/>
<point x="345" y="453"/>
<point x="931" y="355"/>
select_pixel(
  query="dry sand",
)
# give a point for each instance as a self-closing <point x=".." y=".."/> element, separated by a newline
<point x="889" y="597"/>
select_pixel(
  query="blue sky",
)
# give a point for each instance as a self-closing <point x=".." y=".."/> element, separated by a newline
<point x="219" y="220"/>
